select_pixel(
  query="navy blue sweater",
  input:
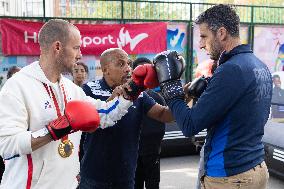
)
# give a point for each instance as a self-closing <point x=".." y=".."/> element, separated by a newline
<point x="110" y="154"/>
<point x="234" y="108"/>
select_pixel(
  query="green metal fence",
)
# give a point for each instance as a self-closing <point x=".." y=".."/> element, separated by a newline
<point x="138" y="10"/>
<point x="144" y="11"/>
<point x="165" y="10"/>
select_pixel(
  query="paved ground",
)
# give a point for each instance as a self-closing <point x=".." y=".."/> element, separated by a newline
<point x="181" y="173"/>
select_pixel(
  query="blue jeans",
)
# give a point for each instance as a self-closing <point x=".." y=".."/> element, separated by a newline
<point x="86" y="183"/>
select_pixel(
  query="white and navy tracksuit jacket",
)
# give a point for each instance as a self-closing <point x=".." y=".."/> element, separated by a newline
<point x="26" y="107"/>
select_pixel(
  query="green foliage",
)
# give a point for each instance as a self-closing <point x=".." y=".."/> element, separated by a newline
<point x="93" y="9"/>
<point x="268" y="15"/>
<point x="165" y="10"/>
<point x="156" y="10"/>
<point x="262" y="10"/>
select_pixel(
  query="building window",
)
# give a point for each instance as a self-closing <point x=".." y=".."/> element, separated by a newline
<point x="34" y="8"/>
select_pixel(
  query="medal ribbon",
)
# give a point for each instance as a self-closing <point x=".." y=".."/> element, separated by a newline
<point x="56" y="103"/>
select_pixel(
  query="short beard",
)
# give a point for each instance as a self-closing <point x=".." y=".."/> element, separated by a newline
<point x="61" y="64"/>
<point x="216" y="50"/>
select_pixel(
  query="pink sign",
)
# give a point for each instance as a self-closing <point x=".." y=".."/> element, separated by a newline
<point x="21" y="37"/>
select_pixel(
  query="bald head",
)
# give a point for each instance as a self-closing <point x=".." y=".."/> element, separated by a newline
<point x="111" y="55"/>
<point x="115" y="66"/>
<point x="54" y="30"/>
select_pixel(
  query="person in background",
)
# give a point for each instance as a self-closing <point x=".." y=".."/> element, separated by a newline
<point x="201" y="170"/>
<point x="12" y="70"/>
<point x="152" y="132"/>
<point x="80" y="73"/>
<point x="1" y="81"/>
<point x="204" y="68"/>
<point x="277" y="106"/>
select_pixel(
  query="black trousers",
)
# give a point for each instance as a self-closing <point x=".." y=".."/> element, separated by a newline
<point x="86" y="183"/>
<point x="148" y="172"/>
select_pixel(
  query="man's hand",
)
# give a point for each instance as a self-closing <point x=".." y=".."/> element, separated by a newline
<point x="120" y="91"/>
<point x="196" y="87"/>
<point x="127" y="91"/>
<point x="78" y="115"/>
<point x="169" y="66"/>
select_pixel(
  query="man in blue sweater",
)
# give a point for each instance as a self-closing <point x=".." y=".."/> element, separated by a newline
<point x="110" y="154"/>
<point x="234" y="107"/>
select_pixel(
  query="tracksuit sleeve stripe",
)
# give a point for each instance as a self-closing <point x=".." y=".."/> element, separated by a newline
<point x="107" y="111"/>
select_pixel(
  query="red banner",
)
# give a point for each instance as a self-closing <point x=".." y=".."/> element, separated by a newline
<point x="21" y="37"/>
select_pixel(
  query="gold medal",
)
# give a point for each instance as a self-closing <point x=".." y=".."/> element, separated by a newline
<point x="65" y="148"/>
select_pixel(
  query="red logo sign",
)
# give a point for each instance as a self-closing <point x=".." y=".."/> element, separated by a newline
<point x="21" y="37"/>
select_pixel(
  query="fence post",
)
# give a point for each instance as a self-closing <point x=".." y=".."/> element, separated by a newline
<point x="252" y="27"/>
<point x="122" y="10"/>
<point x="189" y="51"/>
<point x="43" y="4"/>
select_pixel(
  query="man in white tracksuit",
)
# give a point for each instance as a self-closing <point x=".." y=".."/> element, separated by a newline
<point x="35" y="157"/>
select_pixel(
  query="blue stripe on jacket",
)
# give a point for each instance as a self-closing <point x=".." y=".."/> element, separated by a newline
<point x="107" y="111"/>
<point x="215" y="164"/>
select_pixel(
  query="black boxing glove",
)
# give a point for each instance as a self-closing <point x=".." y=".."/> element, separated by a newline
<point x="169" y="66"/>
<point x="197" y="87"/>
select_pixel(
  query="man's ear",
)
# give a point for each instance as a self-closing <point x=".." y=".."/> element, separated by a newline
<point x="57" y="46"/>
<point x="105" y="70"/>
<point x="222" y="33"/>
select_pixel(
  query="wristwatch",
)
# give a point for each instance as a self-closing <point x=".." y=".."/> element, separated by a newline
<point x="40" y="133"/>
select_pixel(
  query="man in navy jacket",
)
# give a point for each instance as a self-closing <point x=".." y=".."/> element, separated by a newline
<point x="110" y="154"/>
<point x="234" y="107"/>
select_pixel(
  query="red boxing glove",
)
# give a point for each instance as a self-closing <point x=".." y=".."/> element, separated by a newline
<point x="143" y="77"/>
<point x="79" y="115"/>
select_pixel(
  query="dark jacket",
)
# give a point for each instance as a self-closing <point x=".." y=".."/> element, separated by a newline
<point x="152" y="131"/>
<point x="234" y="108"/>
<point x="110" y="154"/>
